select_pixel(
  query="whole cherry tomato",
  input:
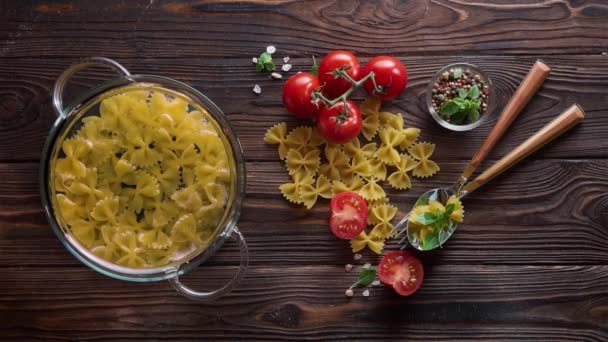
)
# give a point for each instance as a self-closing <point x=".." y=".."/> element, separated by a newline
<point x="340" y="123"/>
<point x="335" y="87"/>
<point x="297" y="93"/>
<point x="390" y="76"/>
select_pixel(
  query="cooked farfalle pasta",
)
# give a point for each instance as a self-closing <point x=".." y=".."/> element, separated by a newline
<point x="131" y="183"/>
<point x="319" y="168"/>
<point x="422" y="152"/>
<point x="458" y="211"/>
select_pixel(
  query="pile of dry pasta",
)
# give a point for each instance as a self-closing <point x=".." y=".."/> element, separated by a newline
<point x="391" y="152"/>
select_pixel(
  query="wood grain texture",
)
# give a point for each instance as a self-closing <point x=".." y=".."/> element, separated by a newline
<point x="26" y="113"/>
<point x="198" y="29"/>
<point x="540" y="212"/>
<point x="530" y="263"/>
<point x="307" y="303"/>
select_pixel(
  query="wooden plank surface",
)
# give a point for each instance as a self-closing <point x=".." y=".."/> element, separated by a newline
<point x="229" y="83"/>
<point x="529" y="263"/>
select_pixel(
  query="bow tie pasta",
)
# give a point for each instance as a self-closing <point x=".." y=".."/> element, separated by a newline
<point x="318" y="172"/>
<point x="146" y="181"/>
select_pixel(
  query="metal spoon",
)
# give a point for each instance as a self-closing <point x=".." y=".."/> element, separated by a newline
<point x="528" y="87"/>
<point x="566" y="120"/>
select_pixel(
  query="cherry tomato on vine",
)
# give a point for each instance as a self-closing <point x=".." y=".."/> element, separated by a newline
<point x="340" y="123"/>
<point x="348" y="215"/>
<point x="335" y="87"/>
<point x="401" y="271"/>
<point x="297" y="93"/>
<point x="390" y="76"/>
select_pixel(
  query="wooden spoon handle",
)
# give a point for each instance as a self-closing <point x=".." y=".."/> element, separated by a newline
<point x="568" y="119"/>
<point x="528" y="87"/>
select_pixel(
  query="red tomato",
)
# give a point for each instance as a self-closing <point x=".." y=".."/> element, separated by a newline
<point x="297" y="95"/>
<point x="337" y="125"/>
<point x="348" y="215"/>
<point x="336" y="60"/>
<point x="401" y="271"/>
<point x="390" y="75"/>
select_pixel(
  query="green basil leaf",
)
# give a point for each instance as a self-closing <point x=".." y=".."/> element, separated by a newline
<point x="460" y="102"/>
<point x="474" y="92"/>
<point x="457" y="72"/>
<point x="462" y="93"/>
<point x="458" y="117"/>
<point x="265" y="57"/>
<point x="473" y="115"/>
<point x="366" y="277"/>
<point x="449" y="209"/>
<point x="259" y="67"/>
<point x="269" y="66"/>
<point x="449" y="108"/>
<point x="430" y="241"/>
<point x="426" y="219"/>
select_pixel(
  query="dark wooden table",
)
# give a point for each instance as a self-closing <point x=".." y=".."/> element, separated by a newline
<point x="530" y="263"/>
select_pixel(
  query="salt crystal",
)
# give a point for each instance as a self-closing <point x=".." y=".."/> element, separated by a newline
<point x="348" y="267"/>
<point x="376" y="283"/>
<point x="271" y="49"/>
<point x="358" y="256"/>
<point x="366" y="266"/>
<point x="365" y="293"/>
<point x="254" y="60"/>
<point x="285" y="59"/>
<point x="276" y="75"/>
<point x="257" y="89"/>
<point x="349" y="293"/>
<point x="286" y="67"/>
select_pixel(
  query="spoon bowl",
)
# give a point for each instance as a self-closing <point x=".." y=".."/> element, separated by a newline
<point x="415" y="230"/>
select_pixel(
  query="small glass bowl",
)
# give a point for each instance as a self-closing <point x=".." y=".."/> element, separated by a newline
<point x="483" y="117"/>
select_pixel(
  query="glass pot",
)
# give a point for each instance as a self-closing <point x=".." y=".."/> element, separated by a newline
<point x="70" y="117"/>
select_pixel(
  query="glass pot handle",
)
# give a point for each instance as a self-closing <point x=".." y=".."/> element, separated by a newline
<point x="236" y="279"/>
<point x="72" y="69"/>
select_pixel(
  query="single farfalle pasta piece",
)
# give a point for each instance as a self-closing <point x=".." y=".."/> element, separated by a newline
<point x="310" y="193"/>
<point x="422" y="152"/>
<point x="353" y="148"/>
<point x="369" y="126"/>
<point x="387" y="153"/>
<point x="291" y="191"/>
<point x="364" y="240"/>
<point x="458" y="210"/>
<point x="378" y="169"/>
<point x="359" y="166"/>
<point x="410" y="135"/>
<point x="299" y="136"/>
<point x="399" y="179"/>
<point x="277" y="135"/>
<point x="354" y="184"/>
<point x="382" y="216"/>
<point x="337" y="164"/>
<point x="371" y="190"/>
<point x="308" y="162"/>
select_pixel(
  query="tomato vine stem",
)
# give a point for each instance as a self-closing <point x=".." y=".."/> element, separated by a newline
<point x="341" y="73"/>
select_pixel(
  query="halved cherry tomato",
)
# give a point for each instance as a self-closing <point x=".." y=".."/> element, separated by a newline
<point x="335" y="87"/>
<point x="340" y="123"/>
<point x="347" y="215"/>
<point x="390" y="76"/>
<point x="401" y="271"/>
<point x="297" y="95"/>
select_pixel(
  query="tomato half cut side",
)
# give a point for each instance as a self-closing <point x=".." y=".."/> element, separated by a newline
<point x="347" y="215"/>
<point x="402" y="272"/>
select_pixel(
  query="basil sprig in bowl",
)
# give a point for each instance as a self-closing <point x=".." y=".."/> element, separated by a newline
<point x="460" y="97"/>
